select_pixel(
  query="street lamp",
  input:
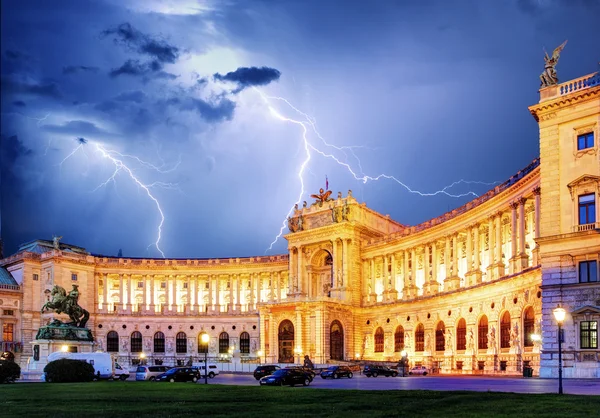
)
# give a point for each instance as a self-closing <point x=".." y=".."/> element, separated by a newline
<point x="559" y="315"/>
<point x="205" y="339"/>
<point x="403" y="353"/>
<point x="260" y="353"/>
<point x="142" y="359"/>
<point x="298" y="352"/>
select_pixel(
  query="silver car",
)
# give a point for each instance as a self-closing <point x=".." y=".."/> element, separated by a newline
<point x="149" y="372"/>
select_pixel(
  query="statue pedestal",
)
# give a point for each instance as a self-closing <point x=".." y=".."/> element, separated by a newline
<point x="42" y="348"/>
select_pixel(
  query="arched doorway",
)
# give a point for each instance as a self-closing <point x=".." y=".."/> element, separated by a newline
<point x="286" y="342"/>
<point x="336" y="341"/>
<point x="322" y="274"/>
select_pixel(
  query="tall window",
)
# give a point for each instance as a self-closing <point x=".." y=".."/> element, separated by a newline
<point x="587" y="209"/>
<point x="159" y="342"/>
<point x="223" y="343"/>
<point x="202" y="347"/>
<point x="588" y="271"/>
<point x="379" y="340"/>
<point x="181" y="343"/>
<point x="585" y="141"/>
<point x="112" y="342"/>
<point x="588" y="334"/>
<point x="244" y="343"/>
<point x="420" y="338"/>
<point x="136" y="342"/>
<point x="505" y="331"/>
<point x="440" y="343"/>
<point x="399" y="339"/>
<point x="528" y="327"/>
<point x="461" y="335"/>
<point x="482" y="340"/>
<point x="8" y="332"/>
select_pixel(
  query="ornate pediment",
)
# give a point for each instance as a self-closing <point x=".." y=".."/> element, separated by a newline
<point x="586" y="310"/>
<point x="584" y="180"/>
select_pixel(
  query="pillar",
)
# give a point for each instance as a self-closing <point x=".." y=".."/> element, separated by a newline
<point x="121" y="293"/>
<point x="393" y="290"/>
<point x="522" y="257"/>
<point x="490" y="270"/>
<point x="146" y="282"/>
<point x="105" y="292"/>
<point x="499" y="265"/>
<point x="469" y="272"/>
<point x="278" y="285"/>
<point x="345" y="277"/>
<point x="406" y="279"/>
<point x="447" y="267"/>
<point x="152" y="297"/>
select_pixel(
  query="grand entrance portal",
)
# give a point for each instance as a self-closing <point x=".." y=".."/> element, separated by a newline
<point x="336" y="341"/>
<point x="286" y="342"/>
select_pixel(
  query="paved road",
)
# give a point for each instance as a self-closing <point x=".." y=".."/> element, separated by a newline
<point x="469" y="383"/>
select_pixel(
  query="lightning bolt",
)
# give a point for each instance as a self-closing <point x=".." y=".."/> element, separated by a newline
<point x="118" y="160"/>
<point x="309" y="122"/>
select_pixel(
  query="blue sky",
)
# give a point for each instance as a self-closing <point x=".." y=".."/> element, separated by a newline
<point x="428" y="91"/>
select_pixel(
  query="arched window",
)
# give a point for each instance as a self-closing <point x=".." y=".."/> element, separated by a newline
<point x="482" y="341"/>
<point x="223" y="343"/>
<point x="461" y="334"/>
<point x="399" y="339"/>
<point x="136" y="342"/>
<point x="112" y="342"/>
<point x="181" y="343"/>
<point x="379" y="340"/>
<point x="440" y="341"/>
<point x="420" y="338"/>
<point x="202" y="347"/>
<point x="159" y="342"/>
<point x="244" y="343"/>
<point x="528" y="327"/>
<point x="505" y="330"/>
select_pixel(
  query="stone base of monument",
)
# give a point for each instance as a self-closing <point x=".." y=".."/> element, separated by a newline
<point x="50" y="339"/>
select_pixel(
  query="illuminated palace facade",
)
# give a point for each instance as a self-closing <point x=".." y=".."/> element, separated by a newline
<point x="471" y="291"/>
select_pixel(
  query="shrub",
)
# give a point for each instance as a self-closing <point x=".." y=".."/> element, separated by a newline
<point x="66" y="370"/>
<point x="9" y="371"/>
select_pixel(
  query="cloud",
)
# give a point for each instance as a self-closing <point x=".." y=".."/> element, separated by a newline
<point x="9" y="85"/>
<point x="143" y="69"/>
<point x="215" y="112"/>
<point x="144" y="44"/>
<point x="78" y="128"/>
<point x="19" y="103"/>
<point x="136" y="96"/>
<point x="72" y="69"/>
<point x="249" y="76"/>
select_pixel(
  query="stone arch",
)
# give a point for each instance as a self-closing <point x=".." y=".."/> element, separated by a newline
<point x="379" y="339"/>
<point x="505" y="325"/>
<point x="528" y="325"/>
<point x="285" y="337"/>
<point x="440" y="336"/>
<point x="399" y="339"/>
<point x="461" y="334"/>
<point x="322" y="273"/>
<point x="419" y="337"/>
<point x="482" y="332"/>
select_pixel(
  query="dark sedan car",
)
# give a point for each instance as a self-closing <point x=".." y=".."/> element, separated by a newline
<point x="266" y="370"/>
<point x="283" y="377"/>
<point x="310" y="372"/>
<point x="375" y="371"/>
<point x="179" y="374"/>
<point x="336" y="372"/>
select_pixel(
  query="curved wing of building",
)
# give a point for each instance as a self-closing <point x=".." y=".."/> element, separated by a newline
<point x="471" y="291"/>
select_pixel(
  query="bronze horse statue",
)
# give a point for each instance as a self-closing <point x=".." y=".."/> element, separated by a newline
<point x="67" y="303"/>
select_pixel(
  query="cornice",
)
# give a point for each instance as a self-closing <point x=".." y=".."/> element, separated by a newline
<point x="581" y="95"/>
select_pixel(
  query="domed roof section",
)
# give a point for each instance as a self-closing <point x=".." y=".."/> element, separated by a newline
<point x="6" y="277"/>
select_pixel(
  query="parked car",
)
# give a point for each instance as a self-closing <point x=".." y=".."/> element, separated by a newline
<point x="336" y="372"/>
<point x="419" y="370"/>
<point x="283" y="377"/>
<point x="213" y="370"/>
<point x="311" y="373"/>
<point x="179" y="374"/>
<point x="372" y="370"/>
<point x="149" y="372"/>
<point x="266" y="370"/>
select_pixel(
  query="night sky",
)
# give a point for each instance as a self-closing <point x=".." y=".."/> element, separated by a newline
<point x="428" y="91"/>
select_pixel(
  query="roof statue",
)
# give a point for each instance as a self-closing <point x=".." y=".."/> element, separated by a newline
<point x="323" y="196"/>
<point x="56" y="241"/>
<point x="549" y="77"/>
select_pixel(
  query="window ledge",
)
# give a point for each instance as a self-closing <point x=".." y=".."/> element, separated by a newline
<point x="586" y="227"/>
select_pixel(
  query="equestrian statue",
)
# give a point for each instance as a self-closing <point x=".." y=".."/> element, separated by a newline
<point x="67" y="303"/>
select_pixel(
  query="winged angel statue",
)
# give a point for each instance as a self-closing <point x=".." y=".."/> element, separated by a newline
<point x="548" y="77"/>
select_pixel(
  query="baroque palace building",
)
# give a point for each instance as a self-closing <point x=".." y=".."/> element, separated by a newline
<point x="471" y="291"/>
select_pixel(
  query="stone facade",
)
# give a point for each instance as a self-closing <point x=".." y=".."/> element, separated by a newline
<point x="461" y="293"/>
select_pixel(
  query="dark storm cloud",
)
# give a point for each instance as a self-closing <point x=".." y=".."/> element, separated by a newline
<point x="77" y="128"/>
<point x="12" y="153"/>
<point x="19" y="103"/>
<point x="215" y="112"/>
<point x="250" y="76"/>
<point x="72" y="69"/>
<point x="136" y="96"/>
<point x="10" y="85"/>
<point x="536" y="7"/>
<point x="158" y="49"/>
<point x="143" y="69"/>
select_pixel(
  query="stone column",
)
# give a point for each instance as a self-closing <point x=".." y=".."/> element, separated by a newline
<point x="385" y="279"/>
<point x="209" y="301"/>
<point x="298" y="335"/>
<point x="105" y="292"/>
<point x="121" y="293"/>
<point x="413" y="290"/>
<point x="393" y="291"/>
<point x="218" y="299"/>
<point x="499" y="265"/>
<point x="278" y="285"/>
<point x="152" y="297"/>
<point x="195" y="294"/>
<point x="513" y="237"/>
<point x="301" y="270"/>
<point x="372" y="292"/>
<point x="129" y="298"/>
<point x="251" y="300"/>
<point x="469" y="272"/>
<point x="345" y="278"/>
<point x="447" y="262"/>
<point x="406" y="279"/>
<point x="146" y="281"/>
<point x="188" y="305"/>
<point x="334" y="256"/>
<point x="490" y="270"/>
<point x="522" y="257"/>
<point x="238" y="285"/>
<point x="231" y="305"/>
<point x="477" y="257"/>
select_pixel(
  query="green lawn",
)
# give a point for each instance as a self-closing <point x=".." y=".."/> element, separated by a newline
<point x="141" y="399"/>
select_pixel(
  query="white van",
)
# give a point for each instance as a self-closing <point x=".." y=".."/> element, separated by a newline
<point x="104" y="367"/>
<point x="213" y="370"/>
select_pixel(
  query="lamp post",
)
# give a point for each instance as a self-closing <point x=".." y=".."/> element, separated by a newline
<point x="559" y="315"/>
<point x="205" y="340"/>
<point x="142" y="359"/>
<point x="403" y="361"/>
<point x="260" y="354"/>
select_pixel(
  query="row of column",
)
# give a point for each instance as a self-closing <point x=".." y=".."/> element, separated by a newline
<point x="149" y="291"/>
<point x="519" y="259"/>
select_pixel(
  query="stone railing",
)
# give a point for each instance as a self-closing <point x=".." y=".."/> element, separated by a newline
<point x="581" y="83"/>
<point x="10" y="287"/>
<point x="586" y="227"/>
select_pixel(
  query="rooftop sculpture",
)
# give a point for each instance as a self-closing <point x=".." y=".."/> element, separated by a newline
<point x="549" y="77"/>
